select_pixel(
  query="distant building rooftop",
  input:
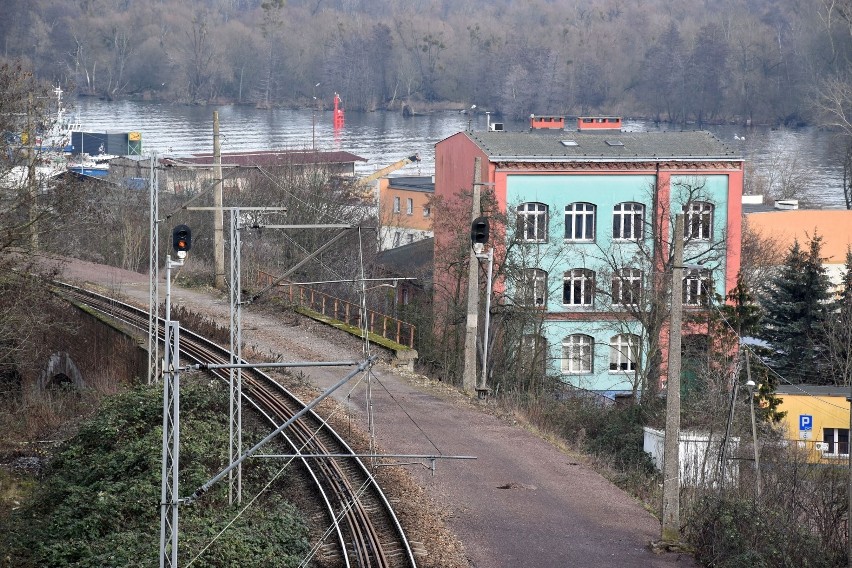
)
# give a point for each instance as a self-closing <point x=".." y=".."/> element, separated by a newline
<point x="813" y="390"/>
<point x="268" y="158"/>
<point x="408" y="259"/>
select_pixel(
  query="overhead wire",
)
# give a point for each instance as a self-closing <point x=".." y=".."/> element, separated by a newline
<point x="322" y="212"/>
<point x="314" y="434"/>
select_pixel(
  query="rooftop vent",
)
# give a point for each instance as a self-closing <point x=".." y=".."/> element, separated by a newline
<point x="614" y="143"/>
<point x="497" y="127"/>
<point x="787" y="204"/>
<point x="569" y="142"/>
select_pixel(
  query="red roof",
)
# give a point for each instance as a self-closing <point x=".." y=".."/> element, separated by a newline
<point x="269" y="158"/>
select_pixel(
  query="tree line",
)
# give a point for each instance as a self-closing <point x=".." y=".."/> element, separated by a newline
<point x="759" y="61"/>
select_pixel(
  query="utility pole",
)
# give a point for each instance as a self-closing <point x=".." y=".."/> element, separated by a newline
<point x="671" y="449"/>
<point x="469" y="373"/>
<point x="218" y="214"/>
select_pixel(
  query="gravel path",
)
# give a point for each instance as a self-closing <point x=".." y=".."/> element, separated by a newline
<point x="522" y="503"/>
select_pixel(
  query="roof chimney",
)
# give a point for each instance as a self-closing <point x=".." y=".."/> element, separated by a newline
<point x="547" y="122"/>
<point x="597" y="123"/>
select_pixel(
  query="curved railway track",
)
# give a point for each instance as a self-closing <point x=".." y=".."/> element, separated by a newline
<point x="366" y="530"/>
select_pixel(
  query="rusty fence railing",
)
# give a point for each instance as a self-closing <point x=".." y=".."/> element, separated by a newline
<point x="342" y="310"/>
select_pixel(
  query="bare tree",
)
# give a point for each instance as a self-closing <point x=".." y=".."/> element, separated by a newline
<point x="648" y="305"/>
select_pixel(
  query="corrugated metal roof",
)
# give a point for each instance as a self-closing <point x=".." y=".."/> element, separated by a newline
<point x="545" y="146"/>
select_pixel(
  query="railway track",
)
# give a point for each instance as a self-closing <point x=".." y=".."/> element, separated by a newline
<point x="364" y="530"/>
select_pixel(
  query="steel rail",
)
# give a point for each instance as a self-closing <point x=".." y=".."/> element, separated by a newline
<point x="346" y="486"/>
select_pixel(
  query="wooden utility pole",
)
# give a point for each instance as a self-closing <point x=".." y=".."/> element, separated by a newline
<point x="671" y="449"/>
<point x="469" y="373"/>
<point x="218" y="214"/>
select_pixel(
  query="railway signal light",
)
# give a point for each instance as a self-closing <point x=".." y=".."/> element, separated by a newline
<point x="181" y="240"/>
<point x="479" y="231"/>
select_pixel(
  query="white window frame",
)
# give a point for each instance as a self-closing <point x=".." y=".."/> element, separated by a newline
<point x="698" y="221"/>
<point x="409" y="206"/>
<point x="583" y="216"/>
<point x="626" y="285"/>
<point x="396" y="205"/>
<point x="426" y="211"/>
<point x="628" y="221"/>
<point x="532" y="217"/>
<point x="578" y="287"/>
<point x="397" y="237"/>
<point x="697" y="288"/>
<point x="533" y="288"/>
<point x="833" y="441"/>
<point x="622" y="353"/>
<point x="578" y="354"/>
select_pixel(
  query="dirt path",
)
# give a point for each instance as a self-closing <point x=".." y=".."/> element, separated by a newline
<point x="521" y="503"/>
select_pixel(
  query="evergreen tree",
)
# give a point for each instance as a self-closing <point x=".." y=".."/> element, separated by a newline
<point x="796" y="310"/>
<point x="838" y="330"/>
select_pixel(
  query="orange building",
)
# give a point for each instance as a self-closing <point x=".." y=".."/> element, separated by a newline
<point x="405" y="216"/>
<point x="785" y="227"/>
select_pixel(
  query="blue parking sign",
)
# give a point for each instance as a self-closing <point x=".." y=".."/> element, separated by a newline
<point x="806" y="422"/>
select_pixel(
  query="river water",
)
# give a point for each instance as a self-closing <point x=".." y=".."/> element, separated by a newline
<point x="383" y="138"/>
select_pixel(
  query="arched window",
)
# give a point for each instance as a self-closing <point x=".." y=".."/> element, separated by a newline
<point x="580" y="222"/>
<point x="626" y="286"/>
<point x="579" y="287"/>
<point x="622" y="352"/>
<point x="698" y="224"/>
<point x="628" y="221"/>
<point x="578" y="354"/>
<point x="531" y="223"/>
<point x="532" y="289"/>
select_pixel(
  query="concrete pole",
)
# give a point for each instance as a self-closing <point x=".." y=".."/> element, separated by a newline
<point x="218" y="215"/>
<point x="469" y="373"/>
<point x="671" y="450"/>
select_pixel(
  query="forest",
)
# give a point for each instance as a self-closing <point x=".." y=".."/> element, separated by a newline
<point x="748" y="61"/>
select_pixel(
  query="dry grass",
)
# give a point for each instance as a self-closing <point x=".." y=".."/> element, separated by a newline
<point x="34" y="423"/>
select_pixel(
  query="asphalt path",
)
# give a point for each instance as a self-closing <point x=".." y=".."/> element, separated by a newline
<point x="523" y="502"/>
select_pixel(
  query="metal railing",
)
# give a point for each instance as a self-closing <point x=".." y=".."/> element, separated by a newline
<point x="342" y="310"/>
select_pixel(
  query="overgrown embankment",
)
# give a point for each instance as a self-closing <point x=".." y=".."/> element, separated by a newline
<point x="98" y="504"/>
